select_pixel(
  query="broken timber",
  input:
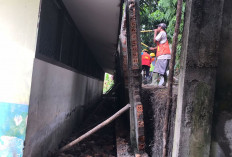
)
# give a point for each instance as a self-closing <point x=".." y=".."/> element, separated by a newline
<point x="113" y="117"/>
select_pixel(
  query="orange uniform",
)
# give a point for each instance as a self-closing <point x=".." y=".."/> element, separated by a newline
<point x="163" y="49"/>
<point x="146" y="59"/>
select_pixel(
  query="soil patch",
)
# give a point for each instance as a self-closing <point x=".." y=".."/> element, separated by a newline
<point x="154" y="100"/>
<point x="100" y="144"/>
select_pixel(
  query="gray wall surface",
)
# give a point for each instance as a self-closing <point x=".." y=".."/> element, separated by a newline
<point x="60" y="41"/>
<point x="222" y="123"/>
<point x="192" y="137"/>
<point x="58" y="98"/>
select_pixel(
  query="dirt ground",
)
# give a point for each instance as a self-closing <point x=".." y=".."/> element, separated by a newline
<point x="100" y="144"/>
<point x="154" y="100"/>
<point x="103" y="142"/>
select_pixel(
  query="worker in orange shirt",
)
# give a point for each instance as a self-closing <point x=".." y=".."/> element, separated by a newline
<point x="163" y="55"/>
<point x="146" y="62"/>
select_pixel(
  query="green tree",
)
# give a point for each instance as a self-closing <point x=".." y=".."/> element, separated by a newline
<point x="108" y="82"/>
<point x="154" y="12"/>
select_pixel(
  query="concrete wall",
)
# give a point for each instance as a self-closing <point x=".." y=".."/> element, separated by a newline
<point x="60" y="41"/>
<point x="58" y="98"/>
<point x="195" y="102"/>
<point x="222" y="123"/>
<point x="18" y="31"/>
<point x="66" y="80"/>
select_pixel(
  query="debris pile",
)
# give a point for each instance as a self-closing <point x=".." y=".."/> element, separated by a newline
<point x="101" y="143"/>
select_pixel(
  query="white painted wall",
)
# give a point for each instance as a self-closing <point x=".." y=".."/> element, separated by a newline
<point x="56" y="92"/>
<point x="18" y="36"/>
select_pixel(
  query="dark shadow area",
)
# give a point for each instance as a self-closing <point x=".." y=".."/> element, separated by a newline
<point x="102" y="142"/>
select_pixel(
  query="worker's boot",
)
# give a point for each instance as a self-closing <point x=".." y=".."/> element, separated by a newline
<point x="163" y="80"/>
<point x="155" y="79"/>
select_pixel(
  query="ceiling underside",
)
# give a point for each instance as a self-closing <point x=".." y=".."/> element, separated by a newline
<point x="98" y="22"/>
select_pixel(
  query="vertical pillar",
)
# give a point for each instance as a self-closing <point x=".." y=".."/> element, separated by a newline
<point x="18" y="35"/>
<point x="136" y="112"/>
<point x="192" y="134"/>
<point x="123" y="48"/>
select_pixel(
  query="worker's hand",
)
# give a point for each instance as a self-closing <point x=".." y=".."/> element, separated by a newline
<point x="152" y="48"/>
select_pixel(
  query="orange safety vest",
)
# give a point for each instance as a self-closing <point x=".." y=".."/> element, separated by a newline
<point x="163" y="49"/>
<point x="146" y="59"/>
<point x="152" y="59"/>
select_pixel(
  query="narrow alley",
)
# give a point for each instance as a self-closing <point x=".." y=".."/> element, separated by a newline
<point x="54" y="55"/>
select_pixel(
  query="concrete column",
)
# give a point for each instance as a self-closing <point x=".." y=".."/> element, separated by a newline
<point x="18" y="36"/>
<point x="134" y="85"/>
<point x="192" y="135"/>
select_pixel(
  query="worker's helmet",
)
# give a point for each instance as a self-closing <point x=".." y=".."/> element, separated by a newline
<point x="145" y="50"/>
<point x="162" y="25"/>
<point x="152" y="54"/>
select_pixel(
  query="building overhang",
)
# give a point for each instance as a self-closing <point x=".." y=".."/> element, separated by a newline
<point x="99" y="24"/>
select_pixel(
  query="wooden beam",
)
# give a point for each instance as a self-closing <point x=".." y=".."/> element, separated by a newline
<point x="113" y="117"/>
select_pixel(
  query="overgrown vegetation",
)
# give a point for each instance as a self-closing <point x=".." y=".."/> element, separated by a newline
<point x="108" y="82"/>
<point x="153" y="12"/>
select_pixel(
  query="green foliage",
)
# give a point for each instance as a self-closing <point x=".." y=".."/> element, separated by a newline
<point x="108" y="82"/>
<point x="154" y="12"/>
